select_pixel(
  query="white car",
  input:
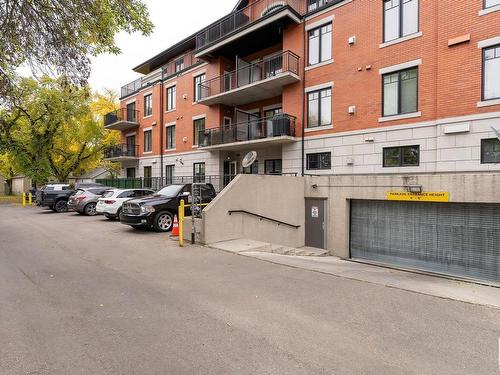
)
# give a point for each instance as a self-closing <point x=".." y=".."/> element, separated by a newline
<point x="111" y="202"/>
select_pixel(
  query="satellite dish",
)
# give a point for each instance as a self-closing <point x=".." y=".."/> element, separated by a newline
<point x="249" y="159"/>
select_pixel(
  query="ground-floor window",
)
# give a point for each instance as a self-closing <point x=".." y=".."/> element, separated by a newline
<point x="130" y="172"/>
<point x="490" y="151"/>
<point x="169" y="174"/>
<point x="322" y="160"/>
<point x="407" y="156"/>
<point x="198" y="172"/>
<point x="273" y="166"/>
<point x="148" y="176"/>
<point x="253" y="169"/>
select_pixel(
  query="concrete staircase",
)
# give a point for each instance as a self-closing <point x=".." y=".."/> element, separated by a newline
<point x="245" y="245"/>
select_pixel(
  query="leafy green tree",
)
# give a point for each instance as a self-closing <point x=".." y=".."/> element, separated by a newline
<point x="8" y="169"/>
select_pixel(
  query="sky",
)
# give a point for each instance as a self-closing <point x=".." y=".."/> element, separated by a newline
<point x="173" y="20"/>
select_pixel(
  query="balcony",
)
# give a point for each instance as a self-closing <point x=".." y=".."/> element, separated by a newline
<point x="124" y="152"/>
<point x="122" y="119"/>
<point x="278" y="129"/>
<point x="251" y="81"/>
<point x="244" y="21"/>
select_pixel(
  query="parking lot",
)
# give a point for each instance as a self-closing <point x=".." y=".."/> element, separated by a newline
<point x="83" y="295"/>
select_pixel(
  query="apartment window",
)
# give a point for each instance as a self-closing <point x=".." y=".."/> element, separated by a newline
<point x="131" y="117"/>
<point x="322" y="160"/>
<point x="148" y="105"/>
<point x="400" y="18"/>
<point x="170" y="174"/>
<point x="171" y="137"/>
<point x="198" y="80"/>
<point x="148" y="177"/>
<point x="320" y="44"/>
<point x="171" y="98"/>
<point x="198" y="172"/>
<point x="198" y="129"/>
<point x="179" y="64"/>
<point x="490" y="151"/>
<point x="491" y="73"/>
<point x="130" y="172"/>
<point x="148" y="141"/>
<point x="400" y="92"/>
<point x="406" y="156"/>
<point x="319" y="108"/>
<point x="491" y="3"/>
<point x="312" y="5"/>
<point x="273" y="166"/>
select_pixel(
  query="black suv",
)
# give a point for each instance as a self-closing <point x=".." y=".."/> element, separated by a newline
<point x="157" y="211"/>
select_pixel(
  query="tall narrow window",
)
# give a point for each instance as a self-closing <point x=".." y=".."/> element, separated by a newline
<point x="198" y="172"/>
<point x="170" y="174"/>
<point x="171" y="137"/>
<point x="148" y="141"/>
<point x="319" y="108"/>
<point x="320" y="44"/>
<point x="400" y="18"/>
<point x="198" y="129"/>
<point x="131" y="113"/>
<point x="400" y="92"/>
<point x="198" y="90"/>
<point x="491" y="73"/>
<point x="148" y="105"/>
<point x="171" y="98"/>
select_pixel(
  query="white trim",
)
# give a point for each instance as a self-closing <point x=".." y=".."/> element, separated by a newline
<point x="488" y="42"/>
<point x="318" y="128"/>
<point x="273" y="106"/>
<point x="327" y="62"/>
<point x="227" y="118"/>
<point x="400" y="40"/>
<point x="170" y="84"/>
<point x="171" y="110"/>
<point x="130" y="134"/>
<point x="170" y="149"/>
<point x="400" y="117"/>
<point x="147" y="93"/>
<point x="488" y="103"/>
<point x="147" y="129"/>
<point x="170" y="124"/>
<point x="130" y="101"/>
<point x="320" y="23"/>
<point x="319" y="87"/>
<point x="492" y="9"/>
<point x="199" y="117"/>
<point x="329" y="9"/>
<point x="398" y="67"/>
<point x="147" y="116"/>
<point x="147" y="153"/>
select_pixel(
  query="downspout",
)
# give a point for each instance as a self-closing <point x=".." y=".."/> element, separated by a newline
<point x="303" y="97"/>
<point x="161" y="126"/>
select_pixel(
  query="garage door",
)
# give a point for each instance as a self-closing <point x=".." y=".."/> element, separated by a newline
<point x="455" y="239"/>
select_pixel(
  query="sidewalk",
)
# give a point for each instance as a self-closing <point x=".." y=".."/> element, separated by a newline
<point x="413" y="282"/>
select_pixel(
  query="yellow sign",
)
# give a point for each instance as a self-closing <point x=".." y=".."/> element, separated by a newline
<point x="436" y="196"/>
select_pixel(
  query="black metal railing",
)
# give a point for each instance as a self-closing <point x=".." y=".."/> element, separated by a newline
<point x="286" y="62"/>
<point x="243" y="17"/>
<point x="123" y="114"/>
<point x="261" y="217"/>
<point x="262" y="128"/>
<point x="120" y="151"/>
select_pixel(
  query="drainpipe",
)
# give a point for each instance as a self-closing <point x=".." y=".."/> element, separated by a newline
<point x="303" y="96"/>
<point x="161" y="127"/>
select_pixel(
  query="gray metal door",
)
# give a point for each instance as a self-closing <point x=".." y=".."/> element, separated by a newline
<point x="315" y="223"/>
<point x="448" y="238"/>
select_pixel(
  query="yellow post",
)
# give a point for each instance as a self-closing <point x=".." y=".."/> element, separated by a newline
<point x="30" y="198"/>
<point x="181" y="223"/>
<point x="24" y="199"/>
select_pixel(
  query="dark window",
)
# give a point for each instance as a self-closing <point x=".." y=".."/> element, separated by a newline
<point x="148" y="141"/>
<point x="148" y="176"/>
<point x="491" y="73"/>
<point x="319" y="108"/>
<point x="318" y="161"/>
<point x="199" y="130"/>
<point x="273" y="166"/>
<point x="130" y="172"/>
<point x="400" y="92"/>
<point x="199" y="172"/>
<point x="127" y="194"/>
<point x="171" y="137"/>
<point x="253" y="169"/>
<point x="400" y="18"/>
<point x="406" y="156"/>
<point x="198" y="80"/>
<point x="490" y="151"/>
<point x="148" y="105"/>
<point x="312" y="5"/>
<point x="179" y="64"/>
<point x="171" y="98"/>
<point x="131" y="114"/>
<point x="320" y="44"/>
<point x="491" y="3"/>
<point x="170" y="173"/>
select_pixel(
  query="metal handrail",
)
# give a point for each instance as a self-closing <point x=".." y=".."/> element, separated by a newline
<point x="123" y="150"/>
<point x="261" y="217"/>
<point x="122" y="114"/>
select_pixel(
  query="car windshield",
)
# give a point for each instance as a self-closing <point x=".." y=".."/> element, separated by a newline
<point x="108" y="194"/>
<point x="170" y="191"/>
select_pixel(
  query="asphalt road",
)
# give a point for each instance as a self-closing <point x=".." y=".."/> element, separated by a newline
<point x="81" y="295"/>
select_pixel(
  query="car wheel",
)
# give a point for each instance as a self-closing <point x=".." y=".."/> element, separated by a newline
<point x="163" y="221"/>
<point x="90" y="209"/>
<point x="61" y="206"/>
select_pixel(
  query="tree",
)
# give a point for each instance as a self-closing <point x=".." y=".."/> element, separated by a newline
<point x="56" y="37"/>
<point x="8" y="169"/>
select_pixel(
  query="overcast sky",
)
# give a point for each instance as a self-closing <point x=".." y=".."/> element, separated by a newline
<point x="173" y="20"/>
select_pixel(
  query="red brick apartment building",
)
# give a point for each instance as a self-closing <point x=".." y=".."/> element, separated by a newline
<point x="320" y="87"/>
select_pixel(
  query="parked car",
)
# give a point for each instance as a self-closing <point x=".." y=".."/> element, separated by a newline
<point x="84" y="201"/>
<point x="54" y="196"/>
<point x="111" y="202"/>
<point x="157" y="211"/>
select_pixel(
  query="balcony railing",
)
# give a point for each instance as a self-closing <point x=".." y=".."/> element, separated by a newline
<point x="240" y="18"/>
<point x="121" y="151"/>
<point x="261" y="128"/>
<point x="131" y="87"/>
<point x="121" y="115"/>
<point x="286" y="62"/>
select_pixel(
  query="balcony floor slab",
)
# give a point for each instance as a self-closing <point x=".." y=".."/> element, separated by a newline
<point x="235" y="146"/>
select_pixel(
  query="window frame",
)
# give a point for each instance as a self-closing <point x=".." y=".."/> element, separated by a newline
<point x="483" y="73"/>
<point x="179" y="62"/>
<point x="170" y="140"/>
<point x="401" y="153"/>
<point x="319" y="154"/>
<point x="199" y="131"/>
<point x="195" y="176"/>
<point x="196" y="83"/>
<point x="489" y="7"/>
<point x="173" y="100"/>
<point x="150" y="132"/>
<point x="399" y="113"/>
<point x="400" y="31"/>
<point x="483" y="141"/>
<point x="148" y="99"/>
<point x="170" y="167"/>
<point x="320" y="45"/>
<point x="273" y="162"/>
<point x="319" y="91"/>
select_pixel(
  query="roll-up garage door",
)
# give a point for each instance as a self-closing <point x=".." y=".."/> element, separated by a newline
<point x="449" y="238"/>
